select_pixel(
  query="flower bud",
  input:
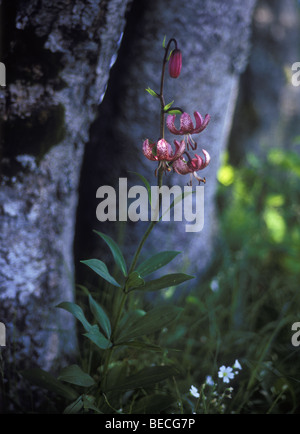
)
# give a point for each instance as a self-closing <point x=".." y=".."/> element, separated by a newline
<point x="175" y="63"/>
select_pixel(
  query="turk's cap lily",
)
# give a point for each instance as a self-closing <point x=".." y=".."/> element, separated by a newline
<point x="162" y="150"/>
<point x="186" y="124"/>
<point x="183" y="167"/>
<point x="175" y="63"/>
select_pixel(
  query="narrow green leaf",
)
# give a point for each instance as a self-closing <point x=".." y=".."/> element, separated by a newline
<point x="75" y="407"/>
<point x="164" y="42"/>
<point x="165" y="282"/>
<point x="134" y="280"/>
<point x="74" y="374"/>
<point x="174" y="112"/>
<point x="155" y="262"/>
<point x="98" y="338"/>
<point x="101" y="269"/>
<point x="152" y="92"/>
<point x="146" y="378"/>
<point x="166" y="107"/>
<point x="43" y="379"/>
<point x="128" y="319"/>
<point x="76" y="311"/>
<point x="115" y="250"/>
<point x="153" y="321"/>
<point x="100" y="316"/>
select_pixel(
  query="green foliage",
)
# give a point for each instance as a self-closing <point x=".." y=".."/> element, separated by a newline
<point x="131" y="330"/>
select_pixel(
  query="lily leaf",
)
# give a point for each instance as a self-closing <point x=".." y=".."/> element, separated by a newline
<point x="166" y="107"/>
<point x="77" y="312"/>
<point x="100" y="316"/>
<point x="98" y="338"/>
<point x="153" y="321"/>
<point x="164" y="282"/>
<point x="101" y="269"/>
<point x="134" y="280"/>
<point x="152" y="92"/>
<point x="155" y="262"/>
<point x="43" y="379"/>
<point x="115" y="250"/>
<point x="74" y="374"/>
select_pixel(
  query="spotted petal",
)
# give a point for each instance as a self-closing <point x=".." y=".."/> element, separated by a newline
<point x="148" y="150"/>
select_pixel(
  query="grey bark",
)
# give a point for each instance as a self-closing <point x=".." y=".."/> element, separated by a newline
<point x="58" y="66"/>
<point x="214" y="37"/>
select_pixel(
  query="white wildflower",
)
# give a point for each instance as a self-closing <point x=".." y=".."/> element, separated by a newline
<point x="237" y="365"/>
<point x="226" y="373"/>
<point x="194" y="392"/>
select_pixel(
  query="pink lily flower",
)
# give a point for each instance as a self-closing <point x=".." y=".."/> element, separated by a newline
<point x="186" y="124"/>
<point x="191" y="166"/>
<point x="162" y="150"/>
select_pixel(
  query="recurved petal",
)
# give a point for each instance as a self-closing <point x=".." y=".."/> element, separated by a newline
<point x="148" y="150"/>
<point x="207" y="158"/>
<point x="201" y="123"/>
<point x="179" y="149"/>
<point x="171" y="125"/>
<point x="196" y="163"/>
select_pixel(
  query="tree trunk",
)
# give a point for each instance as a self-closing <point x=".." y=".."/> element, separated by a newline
<point x="58" y="57"/>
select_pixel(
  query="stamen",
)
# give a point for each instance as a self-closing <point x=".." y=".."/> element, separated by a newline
<point x="191" y="142"/>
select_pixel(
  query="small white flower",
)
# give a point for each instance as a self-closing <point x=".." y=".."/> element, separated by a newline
<point x="226" y="374"/>
<point x="194" y="392"/>
<point x="209" y="381"/>
<point x="237" y="365"/>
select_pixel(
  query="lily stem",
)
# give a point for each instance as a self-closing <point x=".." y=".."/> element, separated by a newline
<point x="161" y="93"/>
<point x="109" y="351"/>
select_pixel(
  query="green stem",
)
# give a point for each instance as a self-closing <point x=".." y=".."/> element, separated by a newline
<point x="109" y="352"/>
<point x="161" y="93"/>
<point x="150" y="227"/>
